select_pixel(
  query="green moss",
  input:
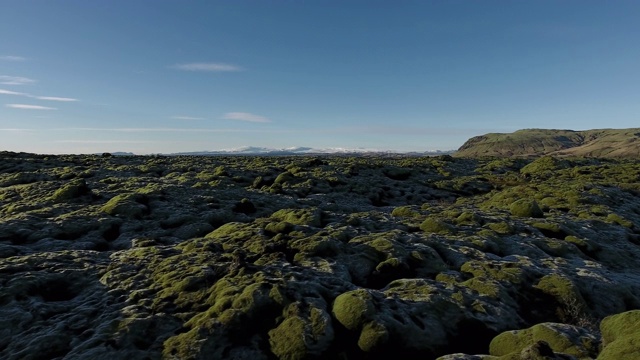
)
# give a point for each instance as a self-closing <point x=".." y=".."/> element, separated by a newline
<point x="621" y="336"/>
<point x="559" y="287"/>
<point x="484" y="286"/>
<point x="233" y="230"/>
<point x="544" y="166"/>
<point x="561" y="338"/>
<point x="526" y="208"/>
<point x="615" y="218"/>
<point x="437" y="226"/>
<point x="287" y="340"/>
<point x="446" y="278"/>
<point x="126" y="205"/>
<point x="468" y="218"/>
<point x="311" y="217"/>
<point x="70" y="191"/>
<point x="501" y="271"/>
<point x="284" y="178"/>
<point x="280" y="227"/>
<point x="390" y="265"/>
<point x="503" y="228"/>
<point x="405" y="211"/>
<point x="373" y="336"/>
<point x="586" y="246"/>
<point x="352" y="309"/>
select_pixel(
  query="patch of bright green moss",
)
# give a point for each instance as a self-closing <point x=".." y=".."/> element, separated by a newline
<point x="126" y="205"/>
<point x="373" y="336"/>
<point x="561" y="338"/>
<point x="353" y="309"/>
<point x="484" y="286"/>
<point x="404" y="211"/>
<point x="437" y="226"/>
<point x="621" y="336"/>
<point x="526" y="208"/>
<point x="311" y="217"/>
<point x="615" y="218"/>
<point x="70" y="191"/>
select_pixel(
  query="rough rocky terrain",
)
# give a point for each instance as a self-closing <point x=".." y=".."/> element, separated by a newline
<point x="105" y="257"/>
<point x="599" y="143"/>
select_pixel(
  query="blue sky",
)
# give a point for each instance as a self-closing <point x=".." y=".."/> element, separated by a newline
<point x="168" y="76"/>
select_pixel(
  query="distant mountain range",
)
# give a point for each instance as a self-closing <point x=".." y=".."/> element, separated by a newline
<point x="603" y="143"/>
<point x="254" y="150"/>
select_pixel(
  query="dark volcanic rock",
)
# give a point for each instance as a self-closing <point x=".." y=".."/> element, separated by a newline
<point x="335" y="257"/>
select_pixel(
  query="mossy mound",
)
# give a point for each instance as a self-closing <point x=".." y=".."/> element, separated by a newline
<point x="621" y="336"/>
<point x="544" y="166"/>
<point x="526" y="208"/>
<point x="561" y="338"/>
<point x="302" y="337"/>
<point x="353" y="309"/>
<point x="437" y="226"/>
<point x="126" y="205"/>
<point x="310" y="217"/>
<point x="72" y="190"/>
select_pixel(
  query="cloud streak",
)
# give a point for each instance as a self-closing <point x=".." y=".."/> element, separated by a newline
<point x="186" y="118"/>
<point x="16" y="130"/>
<point x="54" y="98"/>
<point x="15" y="80"/>
<point x="242" y="116"/>
<point x="12" y="58"/>
<point x="208" y="67"/>
<point x="107" y="142"/>
<point x="47" y="98"/>
<point x="9" y="92"/>
<point x="29" y="107"/>
<point x="178" y="130"/>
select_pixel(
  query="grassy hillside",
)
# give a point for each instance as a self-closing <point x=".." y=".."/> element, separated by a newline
<point x="606" y="143"/>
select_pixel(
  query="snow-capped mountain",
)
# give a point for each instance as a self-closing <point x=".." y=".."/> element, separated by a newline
<point x="255" y="150"/>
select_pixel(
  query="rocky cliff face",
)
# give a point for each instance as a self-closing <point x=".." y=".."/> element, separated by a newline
<point x="317" y="257"/>
<point x="604" y="143"/>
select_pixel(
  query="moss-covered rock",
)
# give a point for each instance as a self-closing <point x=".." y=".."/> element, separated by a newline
<point x="561" y="338"/>
<point x="526" y="208"/>
<point x="544" y="166"/>
<point x="302" y="337"/>
<point x="405" y="211"/>
<point x="437" y="226"/>
<point x="70" y="191"/>
<point x="353" y="309"/>
<point x="621" y="336"/>
<point x="129" y="205"/>
<point x="310" y="217"/>
<point x="373" y="336"/>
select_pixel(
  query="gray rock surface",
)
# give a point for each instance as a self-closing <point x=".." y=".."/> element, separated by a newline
<point x="297" y="257"/>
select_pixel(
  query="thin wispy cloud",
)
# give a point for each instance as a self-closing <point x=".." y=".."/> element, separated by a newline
<point x="15" y="80"/>
<point x="48" y="98"/>
<point x="147" y="130"/>
<point x="9" y="92"/>
<point x="12" y="58"/>
<point x="186" y="118"/>
<point x="158" y="130"/>
<point x="243" y="116"/>
<point x="29" y="107"/>
<point x="208" y="67"/>
<point x="55" y="98"/>
<point x="106" y="142"/>
<point x="16" y="130"/>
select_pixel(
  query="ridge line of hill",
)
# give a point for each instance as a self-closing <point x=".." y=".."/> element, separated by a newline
<point x="602" y="143"/>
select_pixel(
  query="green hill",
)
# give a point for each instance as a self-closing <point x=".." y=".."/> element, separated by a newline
<point x="606" y="143"/>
